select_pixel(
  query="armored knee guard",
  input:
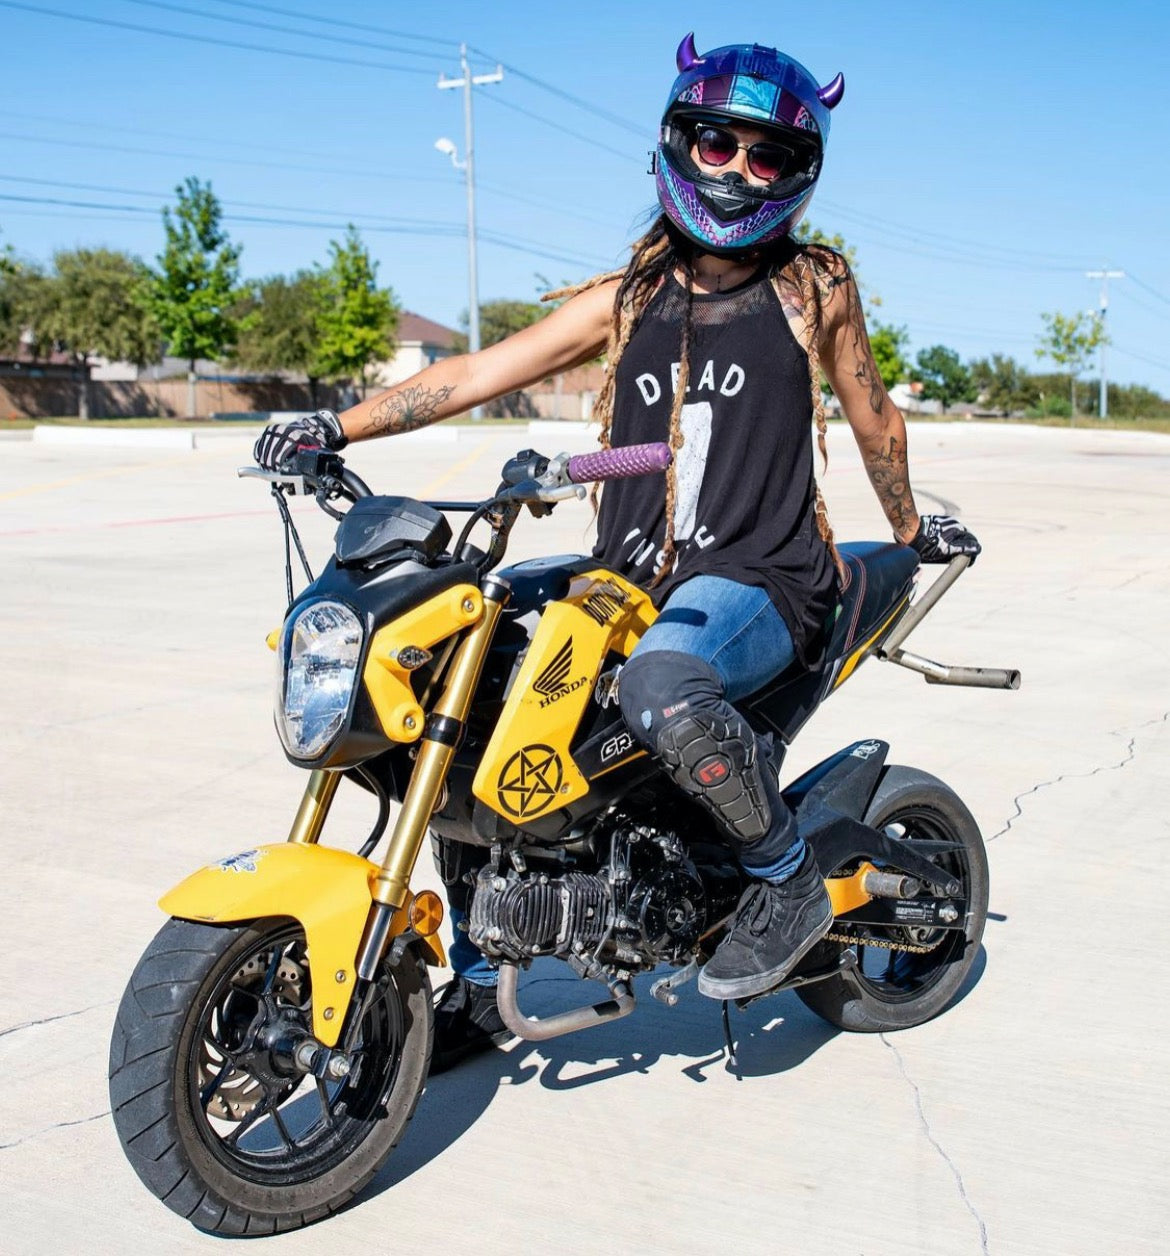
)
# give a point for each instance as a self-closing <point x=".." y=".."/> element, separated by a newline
<point x="674" y="706"/>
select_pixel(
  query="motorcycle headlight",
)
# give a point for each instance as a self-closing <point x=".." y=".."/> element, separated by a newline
<point x="318" y="658"/>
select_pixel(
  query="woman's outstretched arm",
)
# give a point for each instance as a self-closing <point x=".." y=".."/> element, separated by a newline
<point x="574" y="333"/>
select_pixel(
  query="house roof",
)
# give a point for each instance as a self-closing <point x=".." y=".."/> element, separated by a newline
<point x="414" y="329"/>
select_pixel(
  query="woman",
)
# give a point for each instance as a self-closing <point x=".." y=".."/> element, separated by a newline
<point x="716" y="334"/>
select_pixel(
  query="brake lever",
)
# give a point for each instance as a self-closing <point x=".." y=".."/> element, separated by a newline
<point x="295" y="484"/>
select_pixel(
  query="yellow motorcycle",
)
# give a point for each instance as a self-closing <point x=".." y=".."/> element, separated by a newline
<point x="274" y="1039"/>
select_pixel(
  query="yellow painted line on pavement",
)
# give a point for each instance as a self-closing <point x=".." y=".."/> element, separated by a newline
<point x="86" y="476"/>
<point x="433" y="487"/>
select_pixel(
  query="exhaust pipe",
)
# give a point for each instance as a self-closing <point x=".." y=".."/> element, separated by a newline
<point x="541" y="1029"/>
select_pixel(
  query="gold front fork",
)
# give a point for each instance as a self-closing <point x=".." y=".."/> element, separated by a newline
<point x="437" y="745"/>
<point x="310" y="817"/>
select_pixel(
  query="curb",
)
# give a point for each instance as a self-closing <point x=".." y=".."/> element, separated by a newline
<point x="142" y="438"/>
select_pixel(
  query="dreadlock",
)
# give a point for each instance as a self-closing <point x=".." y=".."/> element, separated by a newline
<point x="653" y="257"/>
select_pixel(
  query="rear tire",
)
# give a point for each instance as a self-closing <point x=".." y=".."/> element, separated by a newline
<point x="179" y="1100"/>
<point x="913" y="988"/>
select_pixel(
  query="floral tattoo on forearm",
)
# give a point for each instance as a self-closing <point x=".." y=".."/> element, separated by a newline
<point x="408" y="408"/>
<point x="890" y="477"/>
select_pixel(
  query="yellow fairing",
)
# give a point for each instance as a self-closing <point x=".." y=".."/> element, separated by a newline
<point x="326" y="890"/>
<point x="527" y="770"/>
<point x="387" y="681"/>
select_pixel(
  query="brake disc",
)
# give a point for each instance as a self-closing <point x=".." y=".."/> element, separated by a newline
<point x="239" y="1093"/>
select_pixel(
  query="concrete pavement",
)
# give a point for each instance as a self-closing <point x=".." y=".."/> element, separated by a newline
<point x="136" y="588"/>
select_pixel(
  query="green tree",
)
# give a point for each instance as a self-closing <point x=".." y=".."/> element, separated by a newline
<point x="890" y="345"/>
<point x="25" y="307"/>
<point x="194" y="288"/>
<point x="1069" y="342"/>
<point x="944" y="377"/>
<point x="99" y="304"/>
<point x="279" y="327"/>
<point x="500" y="319"/>
<point x="1003" y="384"/>
<point x="807" y="234"/>
<point x="357" y="319"/>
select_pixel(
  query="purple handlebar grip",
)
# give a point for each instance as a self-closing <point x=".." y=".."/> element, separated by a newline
<point x="620" y="463"/>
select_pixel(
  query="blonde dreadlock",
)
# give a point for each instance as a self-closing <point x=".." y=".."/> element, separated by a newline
<point x="653" y="257"/>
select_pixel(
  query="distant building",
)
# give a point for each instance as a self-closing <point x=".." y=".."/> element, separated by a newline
<point x="421" y="342"/>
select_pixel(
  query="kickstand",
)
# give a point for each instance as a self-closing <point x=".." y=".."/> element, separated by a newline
<point x="731" y="1057"/>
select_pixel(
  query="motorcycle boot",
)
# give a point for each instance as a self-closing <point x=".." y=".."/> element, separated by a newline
<point x="467" y="1022"/>
<point x="674" y="706"/>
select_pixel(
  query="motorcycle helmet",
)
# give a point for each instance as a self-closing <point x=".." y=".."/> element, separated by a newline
<point x="753" y="86"/>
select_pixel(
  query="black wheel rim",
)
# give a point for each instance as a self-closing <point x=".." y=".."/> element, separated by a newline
<point x="901" y="976"/>
<point x="265" y="1126"/>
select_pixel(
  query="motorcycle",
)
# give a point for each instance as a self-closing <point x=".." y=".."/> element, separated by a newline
<point x="275" y="1037"/>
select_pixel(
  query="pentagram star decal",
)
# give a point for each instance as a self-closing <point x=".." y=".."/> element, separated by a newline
<point x="531" y="779"/>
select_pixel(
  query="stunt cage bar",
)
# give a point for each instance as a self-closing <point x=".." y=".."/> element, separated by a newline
<point x="891" y="651"/>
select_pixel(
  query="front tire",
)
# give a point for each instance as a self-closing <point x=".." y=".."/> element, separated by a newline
<point x="893" y="989"/>
<point x="213" y="1121"/>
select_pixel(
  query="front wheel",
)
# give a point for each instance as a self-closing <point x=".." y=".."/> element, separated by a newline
<point x="905" y="976"/>
<point x="212" y="1116"/>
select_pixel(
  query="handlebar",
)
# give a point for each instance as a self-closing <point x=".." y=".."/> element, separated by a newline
<point x="621" y="463"/>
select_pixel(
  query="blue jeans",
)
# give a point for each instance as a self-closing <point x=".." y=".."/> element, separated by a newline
<point x="732" y="627"/>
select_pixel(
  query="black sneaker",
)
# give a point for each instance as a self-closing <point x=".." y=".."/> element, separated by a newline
<point x="467" y="1021"/>
<point x="775" y="928"/>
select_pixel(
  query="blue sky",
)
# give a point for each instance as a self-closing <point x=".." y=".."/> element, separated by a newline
<point x="984" y="157"/>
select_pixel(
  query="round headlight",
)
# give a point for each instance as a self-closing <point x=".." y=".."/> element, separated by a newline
<point x="319" y="652"/>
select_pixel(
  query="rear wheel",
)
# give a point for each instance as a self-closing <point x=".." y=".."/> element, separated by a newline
<point x="211" y="1108"/>
<point x="905" y="975"/>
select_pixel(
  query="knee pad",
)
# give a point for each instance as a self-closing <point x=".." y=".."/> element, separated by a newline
<point x="674" y="707"/>
<point x="714" y="759"/>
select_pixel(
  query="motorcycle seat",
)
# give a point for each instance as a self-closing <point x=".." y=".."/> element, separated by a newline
<point x="878" y="577"/>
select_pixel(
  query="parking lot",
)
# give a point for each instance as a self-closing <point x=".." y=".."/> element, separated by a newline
<point x="137" y="586"/>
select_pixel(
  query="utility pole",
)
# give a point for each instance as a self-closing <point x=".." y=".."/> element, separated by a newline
<point x="1104" y="274"/>
<point x="467" y="165"/>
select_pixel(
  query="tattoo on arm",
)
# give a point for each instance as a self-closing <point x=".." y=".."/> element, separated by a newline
<point x="890" y="477"/>
<point x="408" y="408"/>
<point x="865" y="371"/>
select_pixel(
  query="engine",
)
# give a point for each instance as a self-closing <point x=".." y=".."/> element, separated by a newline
<point x="648" y="903"/>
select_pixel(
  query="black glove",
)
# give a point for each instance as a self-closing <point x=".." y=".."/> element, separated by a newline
<point x="941" y="537"/>
<point x="278" y="442"/>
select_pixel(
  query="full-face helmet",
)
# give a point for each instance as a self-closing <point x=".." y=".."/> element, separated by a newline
<point x="752" y="86"/>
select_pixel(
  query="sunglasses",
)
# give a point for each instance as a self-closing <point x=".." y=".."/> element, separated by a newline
<point x="766" y="160"/>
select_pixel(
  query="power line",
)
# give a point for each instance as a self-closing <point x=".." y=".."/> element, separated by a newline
<point x="210" y="39"/>
<point x="556" y="126"/>
<point x="596" y="110"/>
<point x="336" y="21"/>
<point x="1146" y="288"/>
<point x="1140" y="357"/>
<point x="232" y="161"/>
<point x="272" y="26"/>
<point x="913" y="232"/>
<point x="426" y="229"/>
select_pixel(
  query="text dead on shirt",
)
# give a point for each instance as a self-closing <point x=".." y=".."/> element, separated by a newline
<point x="730" y="384"/>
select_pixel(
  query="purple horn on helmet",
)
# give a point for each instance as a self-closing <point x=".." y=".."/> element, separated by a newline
<point x="830" y="95"/>
<point x="687" y="58"/>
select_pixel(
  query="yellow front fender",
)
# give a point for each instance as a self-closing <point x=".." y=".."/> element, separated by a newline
<point x="326" y="890"/>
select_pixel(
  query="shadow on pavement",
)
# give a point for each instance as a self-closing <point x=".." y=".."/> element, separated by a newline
<point x="771" y="1036"/>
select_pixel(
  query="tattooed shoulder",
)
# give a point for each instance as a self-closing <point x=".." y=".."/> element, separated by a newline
<point x="407" y="409"/>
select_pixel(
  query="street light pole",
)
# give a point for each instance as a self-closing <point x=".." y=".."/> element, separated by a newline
<point x="467" y="165"/>
<point x="1105" y="274"/>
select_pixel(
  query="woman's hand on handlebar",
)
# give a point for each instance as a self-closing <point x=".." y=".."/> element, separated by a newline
<point x="942" y="537"/>
<point x="279" y="443"/>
